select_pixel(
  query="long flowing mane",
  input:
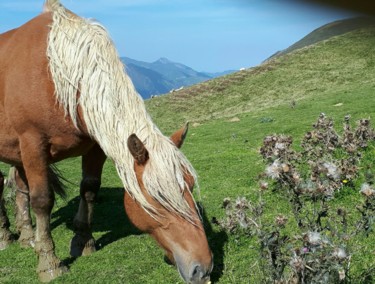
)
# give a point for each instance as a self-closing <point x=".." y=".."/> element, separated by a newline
<point x="87" y="73"/>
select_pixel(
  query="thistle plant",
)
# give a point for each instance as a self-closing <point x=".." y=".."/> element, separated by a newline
<point x="367" y="207"/>
<point x="318" y="251"/>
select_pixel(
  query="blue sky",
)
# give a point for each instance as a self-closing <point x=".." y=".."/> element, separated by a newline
<point x="207" y="35"/>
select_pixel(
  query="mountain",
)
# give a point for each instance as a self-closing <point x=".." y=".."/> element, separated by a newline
<point x="163" y="75"/>
<point x="340" y="67"/>
<point x="328" y="31"/>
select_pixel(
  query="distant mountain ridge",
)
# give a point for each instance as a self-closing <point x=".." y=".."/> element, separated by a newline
<point x="163" y="75"/>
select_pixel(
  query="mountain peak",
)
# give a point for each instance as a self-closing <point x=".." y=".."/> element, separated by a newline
<point x="163" y="60"/>
<point x="162" y="75"/>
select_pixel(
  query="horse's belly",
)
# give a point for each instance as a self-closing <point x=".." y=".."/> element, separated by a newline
<point x="9" y="144"/>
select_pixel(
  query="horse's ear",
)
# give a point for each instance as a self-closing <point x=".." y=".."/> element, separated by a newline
<point x="179" y="136"/>
<point x="137" y="149"/>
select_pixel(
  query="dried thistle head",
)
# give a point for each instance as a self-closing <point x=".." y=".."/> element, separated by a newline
<point x="242" y="203"/>
<point x="339" y="253"/>
<point x="274" y="170"/>
<point x="297" y="264"/>
<point x="281" y="220"/>
<point x="263" y="185"/>
<point x="313" y="238"/>
<point x="367" y="190"/>
<point x="277" y="147"/>
<point x="332" y="170"/>
<point x="342" y="274"/>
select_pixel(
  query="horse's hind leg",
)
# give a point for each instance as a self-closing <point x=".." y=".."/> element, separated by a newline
<point x="83" y="242"/>
<point x="42" y="200"/>
<point x="23" y="217"/>
<point x="5" y="235"/>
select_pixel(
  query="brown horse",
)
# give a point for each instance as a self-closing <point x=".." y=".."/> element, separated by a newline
<point x="64" y="93"/>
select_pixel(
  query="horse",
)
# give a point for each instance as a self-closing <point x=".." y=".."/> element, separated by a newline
<point x="64" y="93"/>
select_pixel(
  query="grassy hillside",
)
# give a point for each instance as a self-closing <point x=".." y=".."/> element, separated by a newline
<point x="232" y="115"/>
<point x="328" y="31"/>
<point x="343" y="64"/>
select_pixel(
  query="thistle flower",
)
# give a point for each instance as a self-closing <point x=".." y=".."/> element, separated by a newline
<point x="285" y="167"/>
<point x="296" y="177"/>
<point x="241" y="203"/>
<point x="281" y="220"/>
<point x="366" y="190"/>
<point x="314" y="238"/>
<point x="341" y="274"/>
<point x="273" y="170"/>
<point x="297" y="263"/>
<point x="242" y="220"/>
<point x="280" y="146"/>
<point x="305" y="250"/>
<point x="332" y="170"/>
<point x="339" y="253"/>
<point x="308" y="187"/>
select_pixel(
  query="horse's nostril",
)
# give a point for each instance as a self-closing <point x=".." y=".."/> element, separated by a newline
<point x="198" y="274"/>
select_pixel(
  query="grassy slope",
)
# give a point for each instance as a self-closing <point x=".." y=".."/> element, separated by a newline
<point x="329" y="30"/>
<point x="224" y="153"/>
<point x="339" y="65"/>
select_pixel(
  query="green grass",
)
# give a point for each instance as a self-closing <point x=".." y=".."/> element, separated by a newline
<point x="335" y="77"/>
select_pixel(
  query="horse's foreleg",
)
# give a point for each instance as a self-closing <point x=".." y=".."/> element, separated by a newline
<point x="5" y="235"/>
<point x="41" y="200"/>
<point x="83" y="242"/>
<point x="23" y="217"/>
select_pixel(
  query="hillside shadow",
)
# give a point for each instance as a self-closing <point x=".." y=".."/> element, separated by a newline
<point x="216" y="241"/>
<point x="109" y="217"/>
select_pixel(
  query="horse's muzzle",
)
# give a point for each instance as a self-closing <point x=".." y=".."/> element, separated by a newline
<point x="197" y="273"/>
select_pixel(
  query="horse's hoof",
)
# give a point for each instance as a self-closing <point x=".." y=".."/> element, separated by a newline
<point x="49" y="275"/>
<point x="26" y="239"/>
<point x="81" y="246"/>
<point x="27" y="243"/>
<point x="88" y="250"/>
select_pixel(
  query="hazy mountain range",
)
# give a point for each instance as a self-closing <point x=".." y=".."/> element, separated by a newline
<point x="163" y="75"/>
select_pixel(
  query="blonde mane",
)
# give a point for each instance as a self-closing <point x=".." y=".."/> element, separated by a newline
<point x="88" y="73"/>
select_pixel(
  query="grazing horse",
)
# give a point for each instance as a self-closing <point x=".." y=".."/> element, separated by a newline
<point x="64" y="93"/>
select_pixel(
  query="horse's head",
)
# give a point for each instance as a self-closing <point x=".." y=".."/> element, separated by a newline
<point x="183" y="240"/>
